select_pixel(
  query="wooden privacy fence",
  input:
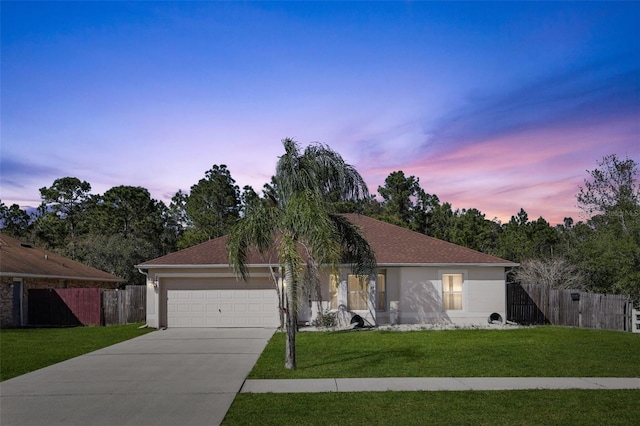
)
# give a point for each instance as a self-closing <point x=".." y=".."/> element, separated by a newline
<point x="64" y="306"/>
<point x="537" y="304"/>
<point x="124" y="306"/>
<point x="521" y="305"/>
<point x="86" y="306"/>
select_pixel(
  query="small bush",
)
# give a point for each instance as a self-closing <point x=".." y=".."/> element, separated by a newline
<point x="326" y="319"/>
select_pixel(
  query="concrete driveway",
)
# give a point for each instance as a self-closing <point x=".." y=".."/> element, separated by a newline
<point x="168" y="377"/>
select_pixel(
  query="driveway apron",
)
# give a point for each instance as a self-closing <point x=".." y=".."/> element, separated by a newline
<point x="168" y="377"/>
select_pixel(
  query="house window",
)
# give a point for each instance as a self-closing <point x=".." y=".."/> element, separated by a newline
<point x="357" y="292"/>
<point x="333" y="292"/>
<point x="452" y="292"/>
<point x="382" y="293"/>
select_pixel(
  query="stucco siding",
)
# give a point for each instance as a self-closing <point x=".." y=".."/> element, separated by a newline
<point x="420" y="299"/>
<point x="152" y="304"/>
<point x="420" y="295"/>
<point x="413" y="293"/>
<point x="485" y="296"/>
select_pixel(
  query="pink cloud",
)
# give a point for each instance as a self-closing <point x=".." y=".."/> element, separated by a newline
<point x="540" y="171"/>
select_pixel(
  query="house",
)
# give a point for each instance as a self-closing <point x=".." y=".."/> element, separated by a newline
<point x="420" y="279"/>
<point x="24" y="268"/>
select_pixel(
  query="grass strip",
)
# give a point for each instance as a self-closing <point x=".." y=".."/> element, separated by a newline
<point x="29" y="349"/>
<point x="523" y="407"/>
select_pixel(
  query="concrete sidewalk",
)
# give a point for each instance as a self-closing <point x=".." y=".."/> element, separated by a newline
<point x="436" y="384"/>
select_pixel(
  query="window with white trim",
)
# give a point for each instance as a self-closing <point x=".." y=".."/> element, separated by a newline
<point x="381" y="287"/>
<point x="452" y="292"/>
<point x="334" y="285"/>
<point x="357" y="292"/>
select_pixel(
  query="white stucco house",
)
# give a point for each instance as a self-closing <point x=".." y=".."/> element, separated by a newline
<point x="420" y="279"/>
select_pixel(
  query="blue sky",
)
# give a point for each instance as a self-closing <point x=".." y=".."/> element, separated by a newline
<point x="496" y="105"/>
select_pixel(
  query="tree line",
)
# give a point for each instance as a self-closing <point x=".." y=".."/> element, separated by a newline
<point x="126" y="226"/>
<point x="598" y="254"/>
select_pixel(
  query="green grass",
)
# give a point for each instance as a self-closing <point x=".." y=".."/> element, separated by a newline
<point x="522" y="352"/>
<point x="524" y="407"/>
<point x="25" y="350"/>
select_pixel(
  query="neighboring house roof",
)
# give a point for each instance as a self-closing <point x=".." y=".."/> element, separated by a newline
<point x="22" y="260"/>
<point x="393" y="245"/>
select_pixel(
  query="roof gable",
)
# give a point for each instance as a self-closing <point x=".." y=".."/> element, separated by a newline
<point x="24" y="260"/>
<point x="392" y="245"/>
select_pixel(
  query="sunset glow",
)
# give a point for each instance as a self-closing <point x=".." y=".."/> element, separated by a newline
<point x="496" y="106"/>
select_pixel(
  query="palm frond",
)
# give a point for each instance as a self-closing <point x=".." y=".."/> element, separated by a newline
<point x="334" y="177"/>
<point x="237" y="251"/>
<point x="356" y="250"/>
<point x="307" y="216"/>
<point x="255" y="229"/>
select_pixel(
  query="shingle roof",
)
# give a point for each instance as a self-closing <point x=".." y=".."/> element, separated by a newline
<point x="212" y="252"/>
<point x="393" y="245"/>
<point x="396" y="245"/>
<point x="24" y="260"/>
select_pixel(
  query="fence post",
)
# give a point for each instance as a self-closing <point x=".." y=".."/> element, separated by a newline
<point x="635" y="320"/>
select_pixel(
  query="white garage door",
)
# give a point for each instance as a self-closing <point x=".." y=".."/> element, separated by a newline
<point x="222" y="308"/>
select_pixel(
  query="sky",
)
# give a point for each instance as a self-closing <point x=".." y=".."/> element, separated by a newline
<point x="492" y="105"/>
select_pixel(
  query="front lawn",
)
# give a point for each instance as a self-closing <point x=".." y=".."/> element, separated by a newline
<point x="25" y="350"/>
<point x="521" y="352"/>
<point x="524" y="407"/>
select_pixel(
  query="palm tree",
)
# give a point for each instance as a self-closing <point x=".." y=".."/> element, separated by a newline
<point x="297" y="217"/>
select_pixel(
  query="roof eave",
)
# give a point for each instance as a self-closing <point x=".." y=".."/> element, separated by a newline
<point x="264" y="265"/>
<point x="58" y="277"/>
<point x="200" y="266"/>
<point x="442" y="264"/>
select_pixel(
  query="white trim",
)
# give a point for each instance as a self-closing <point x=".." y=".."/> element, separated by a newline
<point x="465" y="280"/>
<point x="203" y="265"/>
<point x="209" y="275"/>
<point x="376" y="295"/>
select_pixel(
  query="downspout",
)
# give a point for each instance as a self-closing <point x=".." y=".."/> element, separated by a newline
<point x="154" y="282"/>
<point x="144" y="273"/>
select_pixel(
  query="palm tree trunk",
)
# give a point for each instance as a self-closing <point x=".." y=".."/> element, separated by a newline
<point x="292" y="318"/>
<point x="279" y="292"/>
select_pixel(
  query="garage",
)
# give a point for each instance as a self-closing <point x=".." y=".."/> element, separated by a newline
<point x="195" y="287"/>
<point x="222" y="308"/>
